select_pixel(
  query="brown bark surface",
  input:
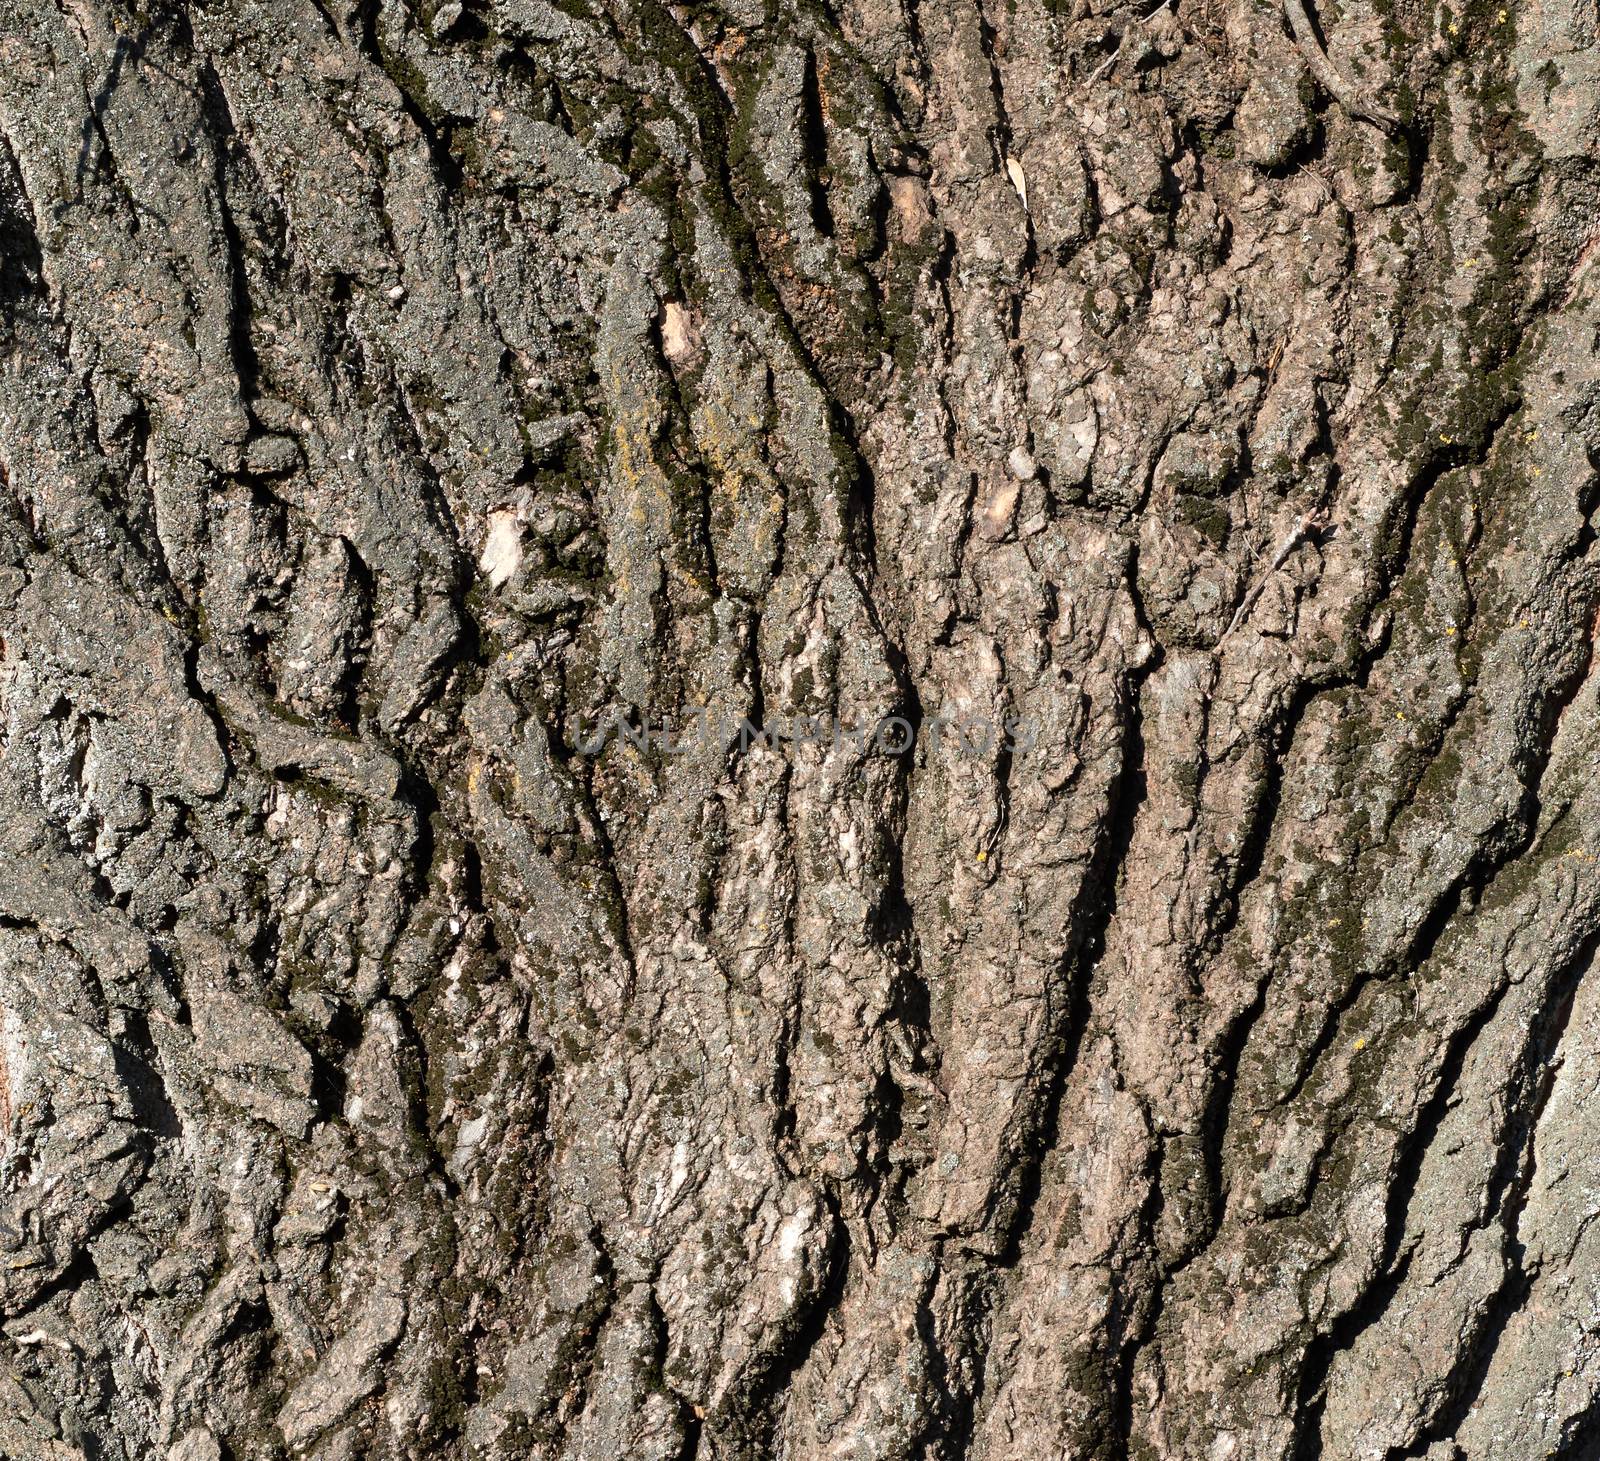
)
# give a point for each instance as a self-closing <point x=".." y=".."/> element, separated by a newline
<point x="488" y="489"/>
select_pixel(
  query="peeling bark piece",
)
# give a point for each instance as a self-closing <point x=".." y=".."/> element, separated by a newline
<point x="126" y="663"/>
<point x="232" y="1034"/>
<point x="347" y="1374"/>
<point x="282" y="744"/>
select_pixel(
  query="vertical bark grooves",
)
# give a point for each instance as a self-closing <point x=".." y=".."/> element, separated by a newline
<point x="853" y="731"/>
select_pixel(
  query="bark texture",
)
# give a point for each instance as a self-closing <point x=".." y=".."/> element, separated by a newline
<point x="392" y="390"/>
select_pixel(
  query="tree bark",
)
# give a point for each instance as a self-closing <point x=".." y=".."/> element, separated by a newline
<point x="799" y="730"/>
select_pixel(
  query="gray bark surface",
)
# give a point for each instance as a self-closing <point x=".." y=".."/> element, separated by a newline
<point x="391" y="391"/>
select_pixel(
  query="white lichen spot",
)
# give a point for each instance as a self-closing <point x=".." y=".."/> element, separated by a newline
<point x="791" y="1243"/>
<point x="792" y="1233"/>
<point x="667" y="1192"/>
<point x="1019" y="179"/>
<point x="680" y="335"/>
<point x="1000" y="507"/>
<point x="909" y="195"/>
<point x="502" y="549"/>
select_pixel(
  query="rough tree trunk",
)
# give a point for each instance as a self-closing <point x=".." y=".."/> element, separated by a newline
<point x="392" y="391"/>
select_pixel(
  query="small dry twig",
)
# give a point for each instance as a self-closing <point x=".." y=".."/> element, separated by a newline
<point x="1344" y="92"/>
<point x="1110" y="60"/>
<point x="1302" y="530"/>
